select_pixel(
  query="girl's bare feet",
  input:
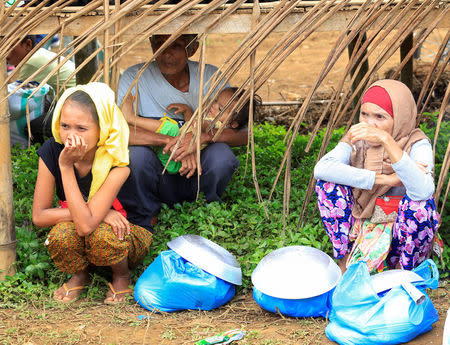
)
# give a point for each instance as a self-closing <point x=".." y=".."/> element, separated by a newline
<point x="119" y="288"/>
<point x="71" y="290"/>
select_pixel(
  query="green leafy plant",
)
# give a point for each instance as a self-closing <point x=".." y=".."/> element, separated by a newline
<point x="238" y="223"/>
<point x="24" y="172"/>
<point x="429" y="127"/>
<point x="33" y="259"/>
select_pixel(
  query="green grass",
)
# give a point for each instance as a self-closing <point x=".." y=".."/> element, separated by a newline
<point x="238" y="224"/>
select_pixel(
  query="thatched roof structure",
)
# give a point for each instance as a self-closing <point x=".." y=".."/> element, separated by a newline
<point x="360" y="25"/>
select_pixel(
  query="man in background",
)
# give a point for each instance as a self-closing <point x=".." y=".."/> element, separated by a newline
<point x="40" y="58"/>
<point x="173" y="78"/>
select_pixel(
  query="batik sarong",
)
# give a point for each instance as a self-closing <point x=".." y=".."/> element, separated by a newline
<point x="73" y="253"/>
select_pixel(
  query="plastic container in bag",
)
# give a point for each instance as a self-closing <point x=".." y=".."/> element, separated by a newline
<point x="302" y="307"/>
<point x="295" y="281"/>
<point x="172" y="283"/>
<point x="360" y="315"/>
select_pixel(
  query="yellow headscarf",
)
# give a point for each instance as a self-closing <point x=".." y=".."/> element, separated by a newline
<point x="112" y="146"/>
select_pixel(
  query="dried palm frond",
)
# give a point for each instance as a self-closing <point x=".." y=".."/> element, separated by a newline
<point x="376" y="29"/>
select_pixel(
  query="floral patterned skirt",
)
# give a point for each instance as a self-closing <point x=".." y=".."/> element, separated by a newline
<point x="73" y="253"/>
<point x="412" y="231"/>
<point x="371" y="243"/>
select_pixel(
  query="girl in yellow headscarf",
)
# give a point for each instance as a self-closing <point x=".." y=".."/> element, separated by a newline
<point x="86" y="161"/>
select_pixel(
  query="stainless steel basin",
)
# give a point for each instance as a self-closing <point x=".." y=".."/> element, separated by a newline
<point x="296" y="272"/>
<point x="209" y="256"/>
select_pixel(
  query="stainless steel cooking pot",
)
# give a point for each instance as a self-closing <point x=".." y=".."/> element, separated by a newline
<point x="296" y="272"/>
<point x="209" y="256"/>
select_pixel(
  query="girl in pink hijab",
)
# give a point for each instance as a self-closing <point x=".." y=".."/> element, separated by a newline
<point x="375" y="187"/>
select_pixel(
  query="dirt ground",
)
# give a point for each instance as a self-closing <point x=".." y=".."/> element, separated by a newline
<point x="88" y="322"/>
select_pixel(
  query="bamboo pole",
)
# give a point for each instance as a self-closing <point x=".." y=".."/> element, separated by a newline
<point x="115" y="71"/>
<point x="376" y="18"/>
<point x="251" y="134"/>
<point x="7" y="230"/>
<point x="355" y="43"/>
<point x="90" y="65"/>
<point x="106" y="44"/>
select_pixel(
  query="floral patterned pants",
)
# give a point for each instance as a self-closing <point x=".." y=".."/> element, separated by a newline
<point x="412" y="232"/>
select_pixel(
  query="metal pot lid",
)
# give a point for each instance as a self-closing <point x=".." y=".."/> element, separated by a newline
<point x="296" y="272"/>
<point x="209" y="256"/>
<point x="388" y="279"/>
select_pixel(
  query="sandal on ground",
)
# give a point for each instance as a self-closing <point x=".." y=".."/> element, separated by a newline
<point x="69" y="290"/>
<point x="116" y="294"/>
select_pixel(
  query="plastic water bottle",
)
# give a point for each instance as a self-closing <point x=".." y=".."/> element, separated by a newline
<point x="10" y="3"/>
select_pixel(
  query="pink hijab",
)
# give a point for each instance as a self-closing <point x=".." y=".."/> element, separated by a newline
<point x="404" y="112"/>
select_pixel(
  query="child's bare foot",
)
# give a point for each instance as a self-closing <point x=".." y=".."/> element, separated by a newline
<point x="119" y="288"/>
<point x="118" y="291"/>
<point x="70" y="291"/>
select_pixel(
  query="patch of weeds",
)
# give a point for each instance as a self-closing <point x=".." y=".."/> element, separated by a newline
<point x="32" y="259"/>
<point x="193" y="332"/>
<point x="203" y="333"/>
<point x="17" y="290"/>
<point x="98" y="287"/>
<point x="307" y="322"/>
<point x="24" y="165"/>
<point x="6" y="341"/>
<point x="49" y="336"/>
<point x="253" y="335"/>
<point x="207" y="331"/>
<point x="169" y="334"/>
<point x="70" y="336"/>
<point x="26" y="314"/>
<point x="11" y="330"/>
<point x="301" y="334"/>
<point x="270" y="342"/>
<point x="136" y="323"/>
<point x="238" y="223"/>
<point x="429" y="127"/>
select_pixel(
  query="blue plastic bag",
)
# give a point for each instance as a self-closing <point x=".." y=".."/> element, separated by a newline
<point x="360" y="316"/>
<point x="306" y="307"/>
<point x="171" y="283"/>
